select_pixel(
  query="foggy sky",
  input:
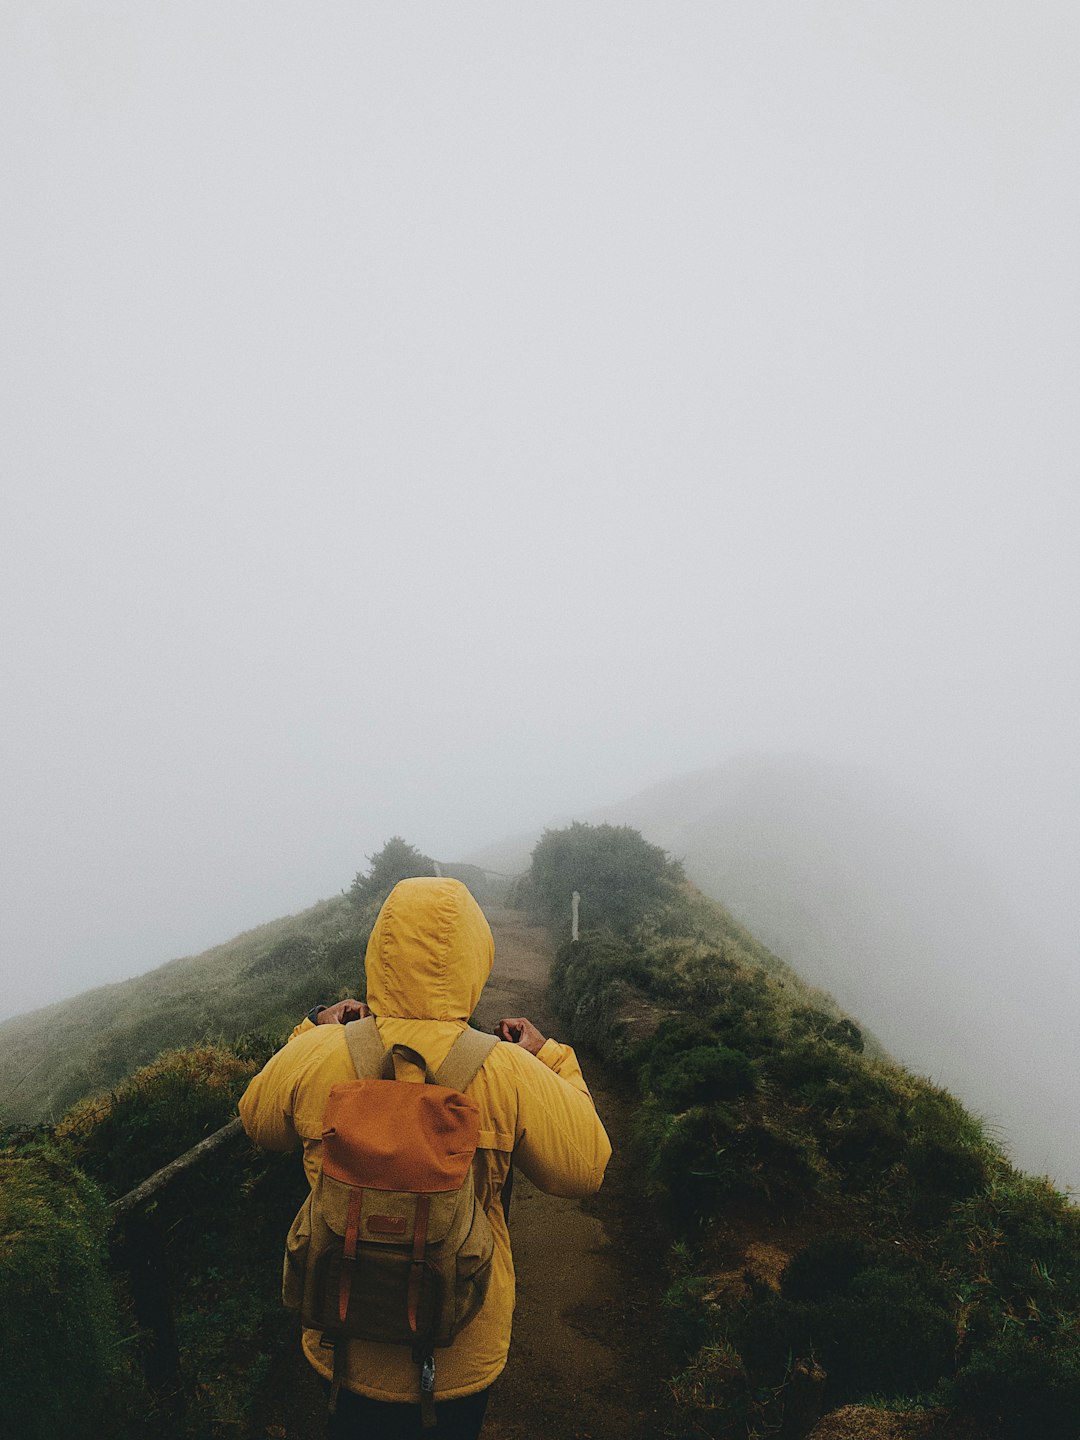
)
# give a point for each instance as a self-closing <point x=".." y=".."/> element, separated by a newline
<point x="436" y="419"/>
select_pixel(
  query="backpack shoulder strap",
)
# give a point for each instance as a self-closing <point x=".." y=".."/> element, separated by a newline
<point x="467" y="1054"/>
<point x="366" y="1049"/>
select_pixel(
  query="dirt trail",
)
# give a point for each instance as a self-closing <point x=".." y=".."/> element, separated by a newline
<point x="584" y="1361"/>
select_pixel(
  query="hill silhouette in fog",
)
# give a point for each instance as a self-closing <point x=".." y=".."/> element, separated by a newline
<point x="872" y="898"/>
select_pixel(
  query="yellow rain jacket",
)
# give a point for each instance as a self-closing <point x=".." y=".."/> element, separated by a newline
<point x="428" y="958"/>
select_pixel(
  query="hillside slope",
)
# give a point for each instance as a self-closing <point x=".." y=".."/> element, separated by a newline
<point x="261" y="981"/>
<point x="877" y="903"/>
<point x="863" y="898"/>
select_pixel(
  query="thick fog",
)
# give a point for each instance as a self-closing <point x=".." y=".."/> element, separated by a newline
<point x="438" y="420"/>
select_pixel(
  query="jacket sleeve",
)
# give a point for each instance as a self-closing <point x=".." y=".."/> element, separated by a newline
<point x="266" y="1106"/>
<point x="564" y="1062"/>
<point x="561" y="1146"/>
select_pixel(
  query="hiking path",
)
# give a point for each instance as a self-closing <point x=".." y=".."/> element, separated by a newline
<point x="584" y="1362"/>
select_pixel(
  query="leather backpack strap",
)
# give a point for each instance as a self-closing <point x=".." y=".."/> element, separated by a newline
<point x="467" y="1054"/>
<point x="366" y="1049"/>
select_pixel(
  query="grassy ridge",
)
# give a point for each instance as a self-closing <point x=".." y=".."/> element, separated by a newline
<point x="66" y="1309"/>
<point x="146" y="1071"/>
<point x="915" y="1265"/>
<point x="841" y="1230"/>
<point x="262" y="982"/>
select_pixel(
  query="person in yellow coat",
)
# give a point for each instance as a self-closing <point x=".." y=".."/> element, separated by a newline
<point x="428" y="958"/>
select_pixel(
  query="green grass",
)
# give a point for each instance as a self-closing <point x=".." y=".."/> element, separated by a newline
<point x="260" y="984"/>
<point x="931" y="1272"/>
<point x="65" y="1308"/>
<point x="924" y="1269"/>
<point x="62" y="1328"/>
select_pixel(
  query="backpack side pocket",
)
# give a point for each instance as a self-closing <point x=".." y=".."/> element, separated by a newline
<point x="297" y="1244"/>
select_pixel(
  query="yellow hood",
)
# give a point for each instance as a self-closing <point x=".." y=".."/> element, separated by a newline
<point x="430" y="953"/>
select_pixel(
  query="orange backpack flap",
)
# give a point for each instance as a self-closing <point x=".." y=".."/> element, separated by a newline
<point x="363" y="1128"/>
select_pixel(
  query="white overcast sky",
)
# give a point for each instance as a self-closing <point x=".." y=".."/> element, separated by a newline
<point x="436" y="418"/>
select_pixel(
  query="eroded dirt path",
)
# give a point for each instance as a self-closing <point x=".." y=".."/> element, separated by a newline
<point x="584" y="1361"/>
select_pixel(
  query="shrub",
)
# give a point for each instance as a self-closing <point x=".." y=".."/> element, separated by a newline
<point x="878" y="1323"/>
<point x="783" y="1164"/>
<point x="809" y="1020"/>
<point x="671" y="1040"/>
<point x="702" y="1075"/>
<point x="947" y="1155"/>
<point x="155" y="1115"/>
<point x="221" y="1222"/>
<point x="621" y="878"/>
<point x="688" y="1314"/>
<point x="397" y="860"/>
<point x="692" y="1162"/>
<point x="60" y="1330"/>
<point x="863" y="1143"/>
<point x="826" y="1268"/>
<point x="589" y="983"/>
<point x="893" y="1337"/>
<point x="1024" y="1239"/>
<point x="1020" y="1387"/>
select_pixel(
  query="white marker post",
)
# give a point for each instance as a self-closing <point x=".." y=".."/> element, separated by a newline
<point x="574" y="903"/>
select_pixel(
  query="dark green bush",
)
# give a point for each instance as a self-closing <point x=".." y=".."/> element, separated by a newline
<point x="1021" y="1388"/>
<point x="827" y="1268"/>
<point x="878" y="1329"/>
<point x="826" y="1076"/>
<point x="687" y="1313"/>
<point x="397" y="860"/>
<point x="692" y="1161"/>
<point x="846" y="1034"/>
<point x="63" y="1357"/>
<point x="1025" y="1238"/>
<point x="589" y="983"/>
<point x="671" y="1040"/>
<point x="159" y="1112"/>
<point x="783" y="1166"/>
<point x="947" y="1155"/>
<point x="751" y="1028"/>
<point x="893" y="1337"/>
<point x="863" y="1144"/>
<point x="944" y="1173"/>
<point x="621" y="878"/>
<point x="702" y="1075"/>
<point x="221" y="1223"/>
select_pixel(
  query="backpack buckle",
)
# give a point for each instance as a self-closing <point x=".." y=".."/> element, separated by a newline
<point x="427" y="1374"/>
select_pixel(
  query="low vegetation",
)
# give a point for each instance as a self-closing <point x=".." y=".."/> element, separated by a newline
<point x="62" y="1332"/>
<point x="68" y="1317"/>
<point x="841" y="1232"/>
<point x="261" y="983"/>
<point x="144" y="1071"/>
<point x="917" y="1267"/>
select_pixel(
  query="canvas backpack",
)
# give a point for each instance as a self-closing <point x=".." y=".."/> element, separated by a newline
<point x="392" y="1244"/>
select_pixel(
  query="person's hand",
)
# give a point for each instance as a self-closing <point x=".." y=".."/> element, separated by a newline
<point x="521" y="1032"/>
<point x="342" y="1013"/>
